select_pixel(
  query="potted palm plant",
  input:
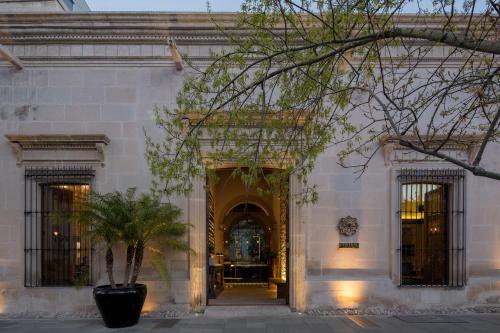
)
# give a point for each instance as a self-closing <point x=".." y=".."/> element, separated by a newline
<point x="142" y="224"/>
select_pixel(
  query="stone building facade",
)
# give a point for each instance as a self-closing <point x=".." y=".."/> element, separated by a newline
<point x="79" y="98"/>
<point x="44" y="6"/>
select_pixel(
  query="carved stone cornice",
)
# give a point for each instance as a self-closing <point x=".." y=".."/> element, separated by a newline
<point x="87" y="37"/>
<point x="91" y="38"/>
<point x="59" y="148"/>
<point x="140" y="27"/>
<point x="463" y="148"/>
<point x="195" y="38"/>
<point x="185" y="28"/>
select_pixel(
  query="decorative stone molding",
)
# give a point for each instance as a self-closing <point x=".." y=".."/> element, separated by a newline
<point x="117" y="39"/>
<point x="110" y="39"/>
<point x="348" y="226"/>
<point x="463" y="149"/>
<point x="80" y="53"/>
<point x="30" y="149"/>
<point x="115" y="28"/>
<point x="7" y="55"/>
<point x="185" y="28"/>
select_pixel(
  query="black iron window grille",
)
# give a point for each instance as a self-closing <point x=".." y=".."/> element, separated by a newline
<point x="432" y="227"/>
<point x="57" y="248"/>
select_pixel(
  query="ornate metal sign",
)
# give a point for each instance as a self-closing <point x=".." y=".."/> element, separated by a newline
<point x="348" y="226"/>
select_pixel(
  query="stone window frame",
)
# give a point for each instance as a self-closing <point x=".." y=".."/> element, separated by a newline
<point x="48" y="149"/>
<point x="395" y="221"/>
<point x="36" y="178"/>
<point x="62" y="151"/>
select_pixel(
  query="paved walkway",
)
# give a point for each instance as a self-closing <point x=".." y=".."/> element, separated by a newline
<point x="281" y="324"/>
<point x="246" y="295"/>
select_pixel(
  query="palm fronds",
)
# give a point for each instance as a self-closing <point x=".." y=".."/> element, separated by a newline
<point x="140" y="224"/>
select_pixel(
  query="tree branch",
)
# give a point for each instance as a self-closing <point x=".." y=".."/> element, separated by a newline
<point x="476" y="170"/>
<point x="489" y="134"/>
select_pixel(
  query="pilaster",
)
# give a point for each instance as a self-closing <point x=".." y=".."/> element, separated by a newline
<point x="197" y="242"/>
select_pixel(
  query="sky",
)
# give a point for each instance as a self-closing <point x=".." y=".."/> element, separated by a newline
<point x="191" y="5"/>
<point x="164" y="5"/>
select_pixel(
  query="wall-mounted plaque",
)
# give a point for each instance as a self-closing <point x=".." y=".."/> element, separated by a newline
<point x="348" y="226"/>
<point x="348" y="245"/>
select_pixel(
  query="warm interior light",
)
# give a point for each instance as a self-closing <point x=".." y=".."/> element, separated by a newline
<point x="56" y="233"/>
<point x="412" y="216"/>
<point x="434" y="230"/>
<point x="83" y="188"/>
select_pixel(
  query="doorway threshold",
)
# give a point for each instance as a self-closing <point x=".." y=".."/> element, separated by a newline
<point x="247" y="294"/>
<point x="230" y="311"/>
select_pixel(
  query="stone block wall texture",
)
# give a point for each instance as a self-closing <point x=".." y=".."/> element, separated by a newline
<point x="43" y="6"/>
<point x="31" y="6"/>
<point x="118" y="101"/>
<point x="367" y="278"/>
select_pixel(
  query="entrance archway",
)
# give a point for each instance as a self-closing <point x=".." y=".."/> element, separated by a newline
<point x="197" y="212"/>
<point x="247" y="237"/>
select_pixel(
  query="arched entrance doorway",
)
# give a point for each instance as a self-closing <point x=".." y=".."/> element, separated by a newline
<point x="247" y="237"/>
<point x="247" y="240"/>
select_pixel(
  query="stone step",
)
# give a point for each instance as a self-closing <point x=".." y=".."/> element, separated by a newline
<point x="225" y="311"/>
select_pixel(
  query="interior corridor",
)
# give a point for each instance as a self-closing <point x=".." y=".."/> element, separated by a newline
<point x="246" y="243"/>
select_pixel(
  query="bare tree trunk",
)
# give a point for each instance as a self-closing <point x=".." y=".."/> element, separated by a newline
<point x="128" y="267"/>
<point x="109" y="267"/>
<point x="139" y="254"/>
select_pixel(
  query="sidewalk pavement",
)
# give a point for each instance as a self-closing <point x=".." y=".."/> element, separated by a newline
<point x="293" y="323"/>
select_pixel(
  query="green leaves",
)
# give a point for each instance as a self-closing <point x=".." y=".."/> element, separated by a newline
<point x="300" y="76"/>
<point x="121" y="218"/>
<point x="155" y="227"/>
<point x="107" y="216"/>
<point x="264" y="102"/>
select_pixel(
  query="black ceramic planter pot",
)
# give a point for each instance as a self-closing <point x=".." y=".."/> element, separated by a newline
<point x="120" y="307"/>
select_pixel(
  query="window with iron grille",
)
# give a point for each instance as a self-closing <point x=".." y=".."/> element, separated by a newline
<point x="57" y="248"/>
<point x="432" y="227"/>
